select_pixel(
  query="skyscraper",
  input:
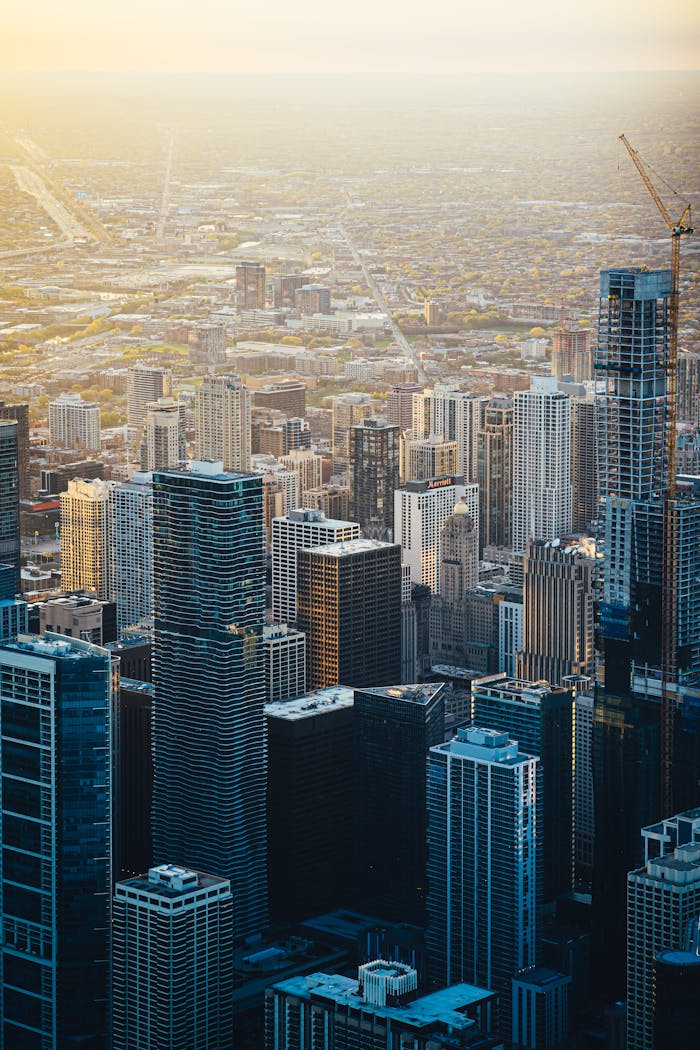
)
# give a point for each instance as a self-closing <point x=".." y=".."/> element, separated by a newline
<point x="430" y="457"/>
<point x="484" y="862"/>
<point x="74" y="423"/>
<point x="162" y="446"/>
<point x="349" y="607"/>
<point x="9" y="498"/>
<point x="374" y="471"/>
<point x="55" y="867"/>
<point x="688" y="388"/>
<point x="348" y="410"/>
<point x="399" y="405"/>
<point x="209" y="677"/>
<point x="13" y="611"/>
<point x="222" y="422"/>
<point x="541" y="717"/>
<point x="494" y="444"/>
<point x="421" y="509"/>
<point x="172" y="961"/>
<point x="285" y="662"/>
<point x="250" y="286"/>
<point x="541" y="463"/>
<point x="308" y="466"/>
<point x="394" y="728"/>
<point x="557" y="611"/>
<point x="20" y="414"/>
<point x="290" y="533"/>
<point x="571" y="353"/>
<point x="459" y="573"/>
<point x="454" y="415"/>
<point x="131" y="550"/>
<point x="145" y="384"/>
<point x="85" y="537"/>
<point x="584" y="467"/>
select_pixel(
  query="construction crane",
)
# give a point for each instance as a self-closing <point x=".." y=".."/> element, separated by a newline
<point x="669" y="571"/>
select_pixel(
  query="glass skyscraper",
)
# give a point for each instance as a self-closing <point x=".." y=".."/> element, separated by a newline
<point x="9" y="496"/>
<point x="55" y="798"/>
<point x="209" y="676"/>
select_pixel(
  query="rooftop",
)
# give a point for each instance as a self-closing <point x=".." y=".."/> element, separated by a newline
<point x="171" y="882"/>
<point x="323" y="701"/>
<point x="55" y="646"/>
<point x="349" y="547"/>
<point x="414" y="694"/>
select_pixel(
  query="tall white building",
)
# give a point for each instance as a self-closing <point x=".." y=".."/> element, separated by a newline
<point x="483" y="862"/>
<point x="454" y="415"/>
<point x="662" y="898"/>
<point x="298" y="529"/>
<point x="131" y="550"/>
<point x="430" y="457"/>
<point x="309" y="468"/>
<point x="172" y="961"/>
<point x="584" y="813"/>
<point x="541" y="463"/>
<point x="74" y="423"/>
<point x="162" y="447"/>
<point x="421" y="509"/>
<point x="85" y="536"/>
<point x="222" y="422"/>
<point x="285" y="662"/>
<point x="510" y="635"/>
<point x="145" y="384"/>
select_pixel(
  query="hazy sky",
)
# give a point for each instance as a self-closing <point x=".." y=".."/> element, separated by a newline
<point x="250" y="36"/>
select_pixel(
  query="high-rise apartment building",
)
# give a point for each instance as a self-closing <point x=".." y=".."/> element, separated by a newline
<point x="309" y="468"/>
<point x="510" y="632"/>
<point x="557" y="611"/>
<point x="163" y="443"/>
<point x="55" y="866"/>
<point x="374" y="471"/>
<point x="431" y="457"/>
<point x="399" y="405"/>
<point x="571" y="352"/>
<point x="348" y="411"/>
<point x="76" y="616"/>
<point x="663" y="896"/>
<point x="13" y="611"/>
<point x="584" y="465"/>
<point x="313" y="299"/>
<point x="209" y="677"/>
<point x="85" y="537"/>
<point x="333" y="500"/>
<point x="9" y="497"/>
<point x="541" y="718"/>
<point x="284" y="287"/>
<point x="131" y="550"/>
<point x="74" y="423"/>
<point x="484" y="862"/>
<point x="172" y="961"/>
<point x="311" y="803"/>
<point x="222" y="422"/>
<point x="250" y="286"/>
<point x="349" y="607"/>
<point x="394" y="728"/>
<point x="19" y="413"/>
<point x="144" y="385"/>
<point x="541" y="463"/>
<point x="454" y="415"/>
<point x="286" y="395"/>
<point x="297" y="529"/>
<point x="688" y="387"/>
<point x="421" y="509"/>
<point x="584" y="811"/>
<point x="285" y="662"/>
<point x="494" y="469"/>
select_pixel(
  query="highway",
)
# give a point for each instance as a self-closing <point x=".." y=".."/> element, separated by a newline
<point x="165" y="199"/>
<point x="29" y="182"/>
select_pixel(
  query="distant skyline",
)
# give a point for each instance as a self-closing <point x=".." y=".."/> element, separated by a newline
<point x="325" y="36"/>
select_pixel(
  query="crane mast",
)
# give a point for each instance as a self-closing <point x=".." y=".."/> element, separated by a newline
<point x="669" y="571"/>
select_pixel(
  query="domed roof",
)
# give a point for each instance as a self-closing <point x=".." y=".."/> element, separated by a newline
<point x="461" y="507"/>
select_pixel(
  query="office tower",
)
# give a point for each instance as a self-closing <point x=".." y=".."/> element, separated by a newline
<point x="484" y="862"/>
<point x="409" y="630"/>
<point x="326" y="1011"/>
<point x="309" y="468"/>
<point x="510" y="632"/>
<point x="172" y="961"/>
<point x="459" y="573"/>
<point x="663" y="896"/>
<point x="85" y="537"/>
<point x="297" y="529"/>
<point x="399" y="405"/>
<point x="541" y="463"/>
<point x="286" y="395"/>
<point x="285" y="662"/>
<point x="56" y="841"/>
<point x="131" y="550"/>
<point x="280" y="496"/>
<point x="557" y="611"/>
<point x="454" y="415"/>
<point x="494" y="453"/>
<point x="348" y="411"/>
<point x="540" y="1009"/>
<point x="144" y="385"/>
<point x="19" y="413"/>
<point x="284" y="287"/>
<point x="313" y="299"/>
<point x="208" y="670"/>
<point x="688" y="388"/>
<point x="9" y="498"/>
<point x="163" y="444"/>
<point x="296" y="434"/>
<point x="421" y="509"/>
<point x="394" y="729"/>
<point x="310" y="803"/>
<point x="76" y="616"/>
<point x="431" y="457"/>
<point x="133" y="849"/>
<point x="74" y="423"/>
<point x="584" y="813"/>
<point x="13" y="611"/>
<point x="349" y="607"/>
<point x="571" y="352"/>
<point x="250" y="286"/>
<point x="677" y="994"/>
<point x="584" y="468"/>
<point x="374" y="471"/>
<point x="333" y="500"/>
<point x="222" y="422"/>
<point x="541" y="718"/>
